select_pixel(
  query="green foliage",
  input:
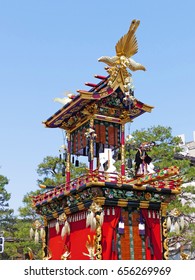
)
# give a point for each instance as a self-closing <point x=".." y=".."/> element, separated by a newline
<point x="19" y="242"/>
<point x="5" y="212"/>
<point x="163" y="153"/>
<point x="16" y="229"/>
<point x="27" y="212"/>
<point x="165" y="144"/>
<point x="7" y="221"/>
<point x="51" y="171"/>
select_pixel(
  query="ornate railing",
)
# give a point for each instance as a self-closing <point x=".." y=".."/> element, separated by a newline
<point x="159" y="179"/>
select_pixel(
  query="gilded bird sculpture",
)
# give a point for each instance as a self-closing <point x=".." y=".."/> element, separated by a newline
<point x="125" y="48"/>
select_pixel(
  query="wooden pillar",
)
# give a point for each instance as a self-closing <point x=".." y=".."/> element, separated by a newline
<point x="123" y="150"/>
<point x="68" y="162"/>
<point x="91" y="125"/>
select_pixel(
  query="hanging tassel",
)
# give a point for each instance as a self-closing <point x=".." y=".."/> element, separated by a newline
<point x="42" y="233"/>
<point x="36" y="236"/>
<point x="172" y="228"/>
<point x="177" y="230"/>
<point x="87" y="221"/>
<point x="57" y="227"/>
<point x="67" y="227"/>
<point x="168" y="223"/>
<point x="63" y="232"/>
<point x="121" y="226"/>
<point x="101" y="218"/>
<point x="90" y="218"/>
<point x="63" y="170"/>
<point x="129" y="163"/>
<point x="93" y="224"/>
<point x="141" y="227"/>
<point x="31" y="233"/>
<point x="182" y="222"/>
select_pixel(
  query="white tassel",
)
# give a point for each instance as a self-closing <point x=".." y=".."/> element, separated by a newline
<point x="177" y="228"/>
<point x="172" y="229"/>
<point x="36" y="236"/>
<point x="168" y="223"/>
<point x="63" y="232"/>
<point x="101" y="218"/>
<point x="93" y="224"/>
<point x="42" y="233"/>
<point x="88" y="220"/>
<point x="57" y="227"/>
<point x="182" y="223"/>
<point x="67" y="227"/>
<point x="31" y="233"/>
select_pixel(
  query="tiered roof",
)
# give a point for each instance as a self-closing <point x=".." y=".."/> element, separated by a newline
<point x="102" y="101"/>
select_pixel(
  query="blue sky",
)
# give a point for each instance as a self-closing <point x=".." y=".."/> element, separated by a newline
<point x="49" y="47"/>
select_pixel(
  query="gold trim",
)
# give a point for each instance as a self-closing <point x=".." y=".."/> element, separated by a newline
<point x="100" y="200"/>
<point x="122" y="202"/>
<point x="80" y="206"/>
<point x="163" y="208"/>
<point x="144" y="204"/>
<point x="106" y="118"/>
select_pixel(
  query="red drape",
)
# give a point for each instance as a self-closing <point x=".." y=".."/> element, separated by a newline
<point x="153" y="234"/>
<point x="76" y="241"/>
<point x="109" y="234"/>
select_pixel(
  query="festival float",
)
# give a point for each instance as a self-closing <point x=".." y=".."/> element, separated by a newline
<point x="105" y="214"/>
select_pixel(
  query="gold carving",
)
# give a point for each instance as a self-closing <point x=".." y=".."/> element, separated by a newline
<point x="125" y="48"/>
<point x="164" y="209"/>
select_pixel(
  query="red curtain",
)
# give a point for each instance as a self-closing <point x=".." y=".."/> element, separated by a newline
<point x="153" y="234"/>
<point x="109" y="242"/>
<point x="76" y="241"/>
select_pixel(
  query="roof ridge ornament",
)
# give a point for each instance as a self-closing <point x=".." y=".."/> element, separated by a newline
<point x="125" y="48"/>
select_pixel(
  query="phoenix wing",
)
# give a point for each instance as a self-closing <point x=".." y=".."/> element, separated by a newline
<point x="127" y="45"/>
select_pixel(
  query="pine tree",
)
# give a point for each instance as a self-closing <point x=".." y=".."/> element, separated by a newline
<point x="7" y="219"/>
